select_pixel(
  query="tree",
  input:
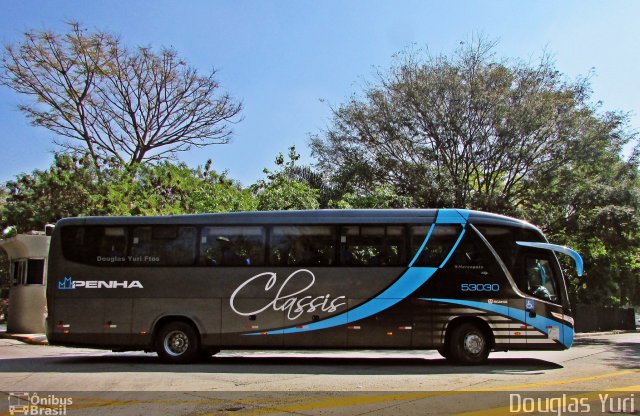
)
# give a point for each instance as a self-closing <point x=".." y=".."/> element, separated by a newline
<point x="71" y="187"/>
<point x="380" y="197"/>
<point x="280" y="191"/>
<point x="593" y="207"/>
<point x="473" y="131"/>
<point x="467" y="130"/>
<point x="115" y="103"/>
<point x="169" y="189"/>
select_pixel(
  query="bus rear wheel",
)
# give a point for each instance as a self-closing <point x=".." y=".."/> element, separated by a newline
<point x="178" y="343"/>
<point x="468" y="345"/>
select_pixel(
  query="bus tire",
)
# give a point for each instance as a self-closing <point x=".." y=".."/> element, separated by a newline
<point x="178" y="343"/>
<point x="444" y="352"/>
<point x="468" y="344"/>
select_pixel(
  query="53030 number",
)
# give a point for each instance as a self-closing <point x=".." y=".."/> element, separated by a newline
<point x="480" y="287"/>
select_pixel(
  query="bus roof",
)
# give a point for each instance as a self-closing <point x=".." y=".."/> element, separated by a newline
<point x="323" y="216"/>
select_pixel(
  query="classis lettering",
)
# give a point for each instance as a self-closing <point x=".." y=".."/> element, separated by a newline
<point x="290" y="303"/>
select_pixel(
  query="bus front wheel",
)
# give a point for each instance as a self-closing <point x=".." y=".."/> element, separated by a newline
<point x="178" y="343"/>
<point x="444" y="352"/>
<point x="468" y="345"/>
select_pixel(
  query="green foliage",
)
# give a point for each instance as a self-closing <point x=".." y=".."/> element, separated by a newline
<point x="168" y="189"/>
<point x="593" y="207"/>
<point x="286" y="195"/>
<point x="505" y="136"/>
<point x="382" y="196"/>
<point x="71" y="187"/>
<point x="280" y="192"/>
<point x="467" y="130"/>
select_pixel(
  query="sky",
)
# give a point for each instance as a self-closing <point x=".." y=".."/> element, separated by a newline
<point x="289" y="61"/>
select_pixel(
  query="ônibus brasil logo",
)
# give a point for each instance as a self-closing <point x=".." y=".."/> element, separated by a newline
<point x="68" y="283"/>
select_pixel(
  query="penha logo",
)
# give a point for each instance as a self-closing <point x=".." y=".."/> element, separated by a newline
<point x="68" y="283"/>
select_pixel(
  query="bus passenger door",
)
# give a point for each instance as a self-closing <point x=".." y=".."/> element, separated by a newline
<point x="544" y="298"/>
<point x="517" y="328"/>
<point x="392" y="327"/>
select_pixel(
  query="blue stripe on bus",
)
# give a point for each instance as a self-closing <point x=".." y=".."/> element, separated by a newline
<point x="452" y="216"/>
<point x="452" y="249"/>
<point x="539" y="322"/>
<point x="402" y="288"/>
<point x="408" y="283"/>
<point x="424" y="243"/>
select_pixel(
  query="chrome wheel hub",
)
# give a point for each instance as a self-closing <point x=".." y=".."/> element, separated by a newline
<point x="176" y="343"/>
<point x="473" y="344"/>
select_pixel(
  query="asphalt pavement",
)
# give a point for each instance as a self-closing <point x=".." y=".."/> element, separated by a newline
<point x="359" y="382"/>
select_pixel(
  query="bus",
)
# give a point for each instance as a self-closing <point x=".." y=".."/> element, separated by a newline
<point x="462" y="282"/>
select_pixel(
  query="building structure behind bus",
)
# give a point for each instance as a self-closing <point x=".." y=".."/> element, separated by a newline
<point x="27" y="254"/>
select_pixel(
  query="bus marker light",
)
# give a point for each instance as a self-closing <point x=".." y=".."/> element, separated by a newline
<point x="251" y="326"/>
<point x="405" y="328"/>
<point x="300" y="326"/>
<point x="389" y="333"/>
<point x="517" y="334"/>
<point x="353" y="327"/>
<point x="66" y="331"/>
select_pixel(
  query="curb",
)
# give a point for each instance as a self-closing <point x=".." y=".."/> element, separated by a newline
<point x="580" y="335"/>
<point x="33" y="339"/>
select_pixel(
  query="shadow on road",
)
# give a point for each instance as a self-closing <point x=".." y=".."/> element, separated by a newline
<point x="626" y="356"/>
<point x="272" y="365"/>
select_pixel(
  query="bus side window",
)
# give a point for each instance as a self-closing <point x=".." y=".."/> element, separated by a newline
<point x="162" y="245"/>
<point x="113" y="242"/>
<point x="372" y="245"/>
<point x="308" y="245"/>
<point x="472" y="259"/>
<point x="503" y="240"/>
<point x="232" y="246"/>
<point x="362" y="246"/>
<point x="95" y="244"/>
<point x="437" y="248"/>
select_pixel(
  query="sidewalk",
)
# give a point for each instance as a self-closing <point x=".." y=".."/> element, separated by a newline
<point x="35" y="339"/>
<point x="580" y="335"/>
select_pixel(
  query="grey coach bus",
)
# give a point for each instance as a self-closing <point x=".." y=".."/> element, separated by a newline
<point x="462" y="282"/>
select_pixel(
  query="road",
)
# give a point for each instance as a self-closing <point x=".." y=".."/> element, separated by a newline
<point x="340" y="382"/>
